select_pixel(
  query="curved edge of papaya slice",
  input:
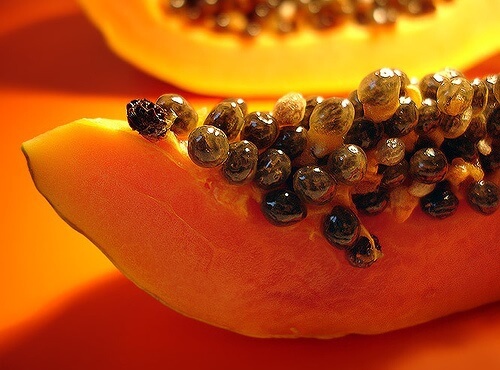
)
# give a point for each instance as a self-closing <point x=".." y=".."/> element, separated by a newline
<point x="174" y="230"/>
<point x="458" y="34"/>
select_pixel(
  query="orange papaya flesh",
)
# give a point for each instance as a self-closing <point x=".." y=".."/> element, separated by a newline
<point x="458" y="33"/>
<point x="203" y="247"/>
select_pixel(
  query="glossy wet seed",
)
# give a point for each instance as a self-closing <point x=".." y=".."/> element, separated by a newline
<point x="273" y="169"/>
<point x="314" y="185"/>
<point x="358" y="106"/>
<point x="241" y="163"/>
<point x="228" y="117"/>
<point x="371" y="203"/>
<point x="260" y="128"/>
<point x="149" y="119"/>
<point x="208" y="146"/>
<point x="292" y="140"/>
<point x="289" y="110"/>
<point x="341" y="227"/>
<point x="240" y="102"/>
<point x="441" y="202"/>
<point x="429" y="85"/>
<point x="454" y="126"/>
<point x="390" y="151"/>
<point x="460" y="147"/>
<point x="283" y="207"/>
<point x="333" y="116"/>
<point x="404" y="119"/>
<point x="363" y="254"/>
<point x="479" y="97"/>
<point x="394" y="176"/>
<point x="476" y="130"/>
<point x="379" y="92"/>
<point x="454" y="96"/>
<point x="428" y="165"/>
<point x="491" y="162"/>
<point x="493" y="123"/>
<point x="311" y="103"/>
<point x="347" y="164"/>
<point x="187" y="118"/>
<point x="364" y="133"/>
<point x="428" y="117"/>
<point x="484" y="196"/>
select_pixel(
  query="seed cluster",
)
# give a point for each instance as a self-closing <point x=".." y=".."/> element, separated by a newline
<point x="251" y="17"/>
<point x="393" y="144"/>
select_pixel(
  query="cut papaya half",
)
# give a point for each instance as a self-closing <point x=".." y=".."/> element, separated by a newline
<point x="161" y="42"/>
<point x="204" y="248"/>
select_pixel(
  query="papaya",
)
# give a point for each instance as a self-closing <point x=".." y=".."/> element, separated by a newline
<point x="161" y="41"/>
<point x="206" y="247"/>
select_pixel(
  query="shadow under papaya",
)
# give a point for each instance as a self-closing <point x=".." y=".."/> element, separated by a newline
<point x="67" y="54"/>
<point x="115" y="325"/>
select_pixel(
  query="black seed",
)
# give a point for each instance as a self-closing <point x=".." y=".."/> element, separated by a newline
<point x="476" y="129"/>
<point x="187" y="118"/>
<point x="404" y="120"/>
<point x="363" y="254"/>
<point x="228" y="117"/>
<point x="428" y="117"/>
<point x="493" y="123"/>
<point x="371" y="203"/>
<point x="429" y="85"/>
<point x="314" y="185"/>
<point x="484" y="196"/>
<point x="241" y="164"/>
<point x="393" y="176"/>
<point x="260" y="128"/>
<point x="423" y="142"/>
<point x="347" y="164"/>
<point x="283" y="207"/>
<point x="208" y="146"/>
<point x="441" y="202"/>
<point x="454" y="126"/>
<point x="356" y="103"/>
<point x="461" y="147"/>
<point x="292" y="140"/>
<point x="149" y="119"/>
<point x="341" y="227"/>
<point x="273" y="169"/>
<point x="491" y="162"/>
<point x="480" y="97"/>
<point x="428" y="165"/>
<point x="364" y="133"/>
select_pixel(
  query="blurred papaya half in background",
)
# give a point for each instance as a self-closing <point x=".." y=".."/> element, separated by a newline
<point x="265" y="48"/>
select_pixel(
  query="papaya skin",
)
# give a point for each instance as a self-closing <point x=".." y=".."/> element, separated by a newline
<point x="459" y="33"/>
<point x="177" y="232"/>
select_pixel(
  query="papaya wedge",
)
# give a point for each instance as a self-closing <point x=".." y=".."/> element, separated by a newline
<point x="459" y="33"/>
<point x="203" y="248"/>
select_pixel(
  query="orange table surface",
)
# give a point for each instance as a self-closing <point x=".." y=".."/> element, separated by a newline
<point x="62" y="303"/>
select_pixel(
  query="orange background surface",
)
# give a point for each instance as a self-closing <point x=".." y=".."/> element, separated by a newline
<point x="64" y="306"/>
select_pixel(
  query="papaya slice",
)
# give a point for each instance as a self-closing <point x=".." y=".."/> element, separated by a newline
<point x="204" y="248"/>
<point x="458" y="33"/>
